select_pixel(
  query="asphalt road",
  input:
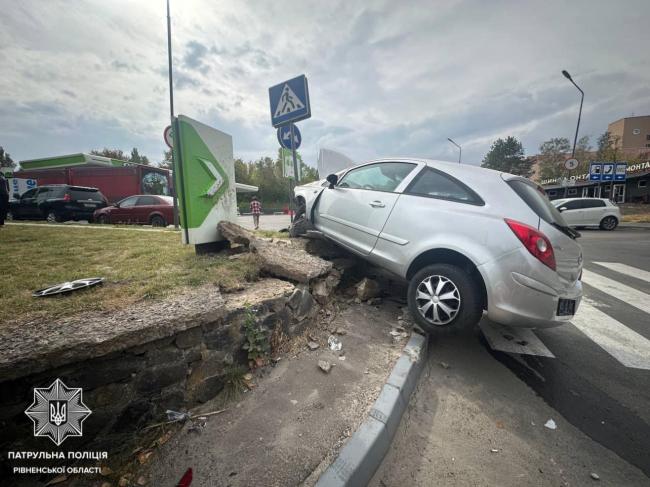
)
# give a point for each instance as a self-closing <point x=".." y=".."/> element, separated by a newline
<point x="591" y="376"/>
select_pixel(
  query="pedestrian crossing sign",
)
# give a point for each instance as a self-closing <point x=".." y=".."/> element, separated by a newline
<point x="289" y="101"/>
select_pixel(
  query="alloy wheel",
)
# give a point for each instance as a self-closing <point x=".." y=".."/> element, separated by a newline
<point x="609" y="223"/>
<point x="438" y="300"/>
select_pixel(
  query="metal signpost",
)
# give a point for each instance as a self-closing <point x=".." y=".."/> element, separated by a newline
<point x="289" y="102"/>
<point x="595" y="173"/>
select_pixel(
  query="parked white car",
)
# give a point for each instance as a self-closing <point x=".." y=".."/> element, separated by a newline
<point x="589" y="212"/>
<point x="467" y="239"/>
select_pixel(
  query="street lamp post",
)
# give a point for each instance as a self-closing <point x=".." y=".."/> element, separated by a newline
<point x="582" y="97"/>
<point x="460" y="149"/>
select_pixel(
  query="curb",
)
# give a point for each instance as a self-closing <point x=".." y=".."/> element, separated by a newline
<point x="364" y="452"/>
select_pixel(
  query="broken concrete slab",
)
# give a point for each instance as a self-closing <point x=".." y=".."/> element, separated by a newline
<point x="285" y="261"/>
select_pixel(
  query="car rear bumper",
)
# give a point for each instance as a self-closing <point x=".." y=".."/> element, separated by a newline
<point x="517" y="299"/>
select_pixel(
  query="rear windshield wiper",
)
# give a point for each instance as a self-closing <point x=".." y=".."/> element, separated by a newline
<point x="567" y="230"/>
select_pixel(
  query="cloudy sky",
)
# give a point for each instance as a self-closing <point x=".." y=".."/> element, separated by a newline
<point x="385" y="77"/>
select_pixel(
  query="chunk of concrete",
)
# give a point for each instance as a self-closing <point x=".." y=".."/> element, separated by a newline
<point x="368" y="289"/>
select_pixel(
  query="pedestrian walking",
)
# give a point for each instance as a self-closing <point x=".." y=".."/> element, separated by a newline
<point x="256" y="210"/>
<point x="4" y="198"/>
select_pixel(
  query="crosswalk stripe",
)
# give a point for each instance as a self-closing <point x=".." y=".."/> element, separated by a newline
<point x="625" y="345"/>
<point x="628" y="294"/>
<point x="513" y="340"/>
<point x="628" y="270"/>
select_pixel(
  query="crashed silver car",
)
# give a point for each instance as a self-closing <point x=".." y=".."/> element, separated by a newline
<point x="467" y="239"/>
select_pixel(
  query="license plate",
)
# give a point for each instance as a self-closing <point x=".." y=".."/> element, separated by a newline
<point x="566" y="307"/>
<point x="87" y="205"/>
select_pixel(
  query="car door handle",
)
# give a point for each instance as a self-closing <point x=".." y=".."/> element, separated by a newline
<point x="377" y="204"/>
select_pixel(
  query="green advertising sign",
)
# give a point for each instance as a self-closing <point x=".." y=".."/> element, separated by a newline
<point x="204" y="175"/>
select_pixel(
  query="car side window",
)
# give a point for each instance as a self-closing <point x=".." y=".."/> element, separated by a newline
<point x="29" y="194"/>
<point x="42" y="194"/>
<point x="147" y="201"/>
<point x="593" y="204"/>
<point x="128" y="202"/>
<point x="383" y="176"/>
<point x="572" y="205"/>
<point x="436" y="184"/>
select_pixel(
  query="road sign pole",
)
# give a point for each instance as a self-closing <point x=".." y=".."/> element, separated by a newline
<point x="295" y="169"/>
<point x="171" y="105"/>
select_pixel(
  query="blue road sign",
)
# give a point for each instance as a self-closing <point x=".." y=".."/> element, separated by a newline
<point x="284" y="137"/>
<point x="621" y="171"/>
<point x="289" y="101"/>
<point x="608" y="171"/>
<point x="595" y="171"/>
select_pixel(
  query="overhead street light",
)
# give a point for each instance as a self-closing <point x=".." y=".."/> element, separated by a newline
<point x="582" y="97"/>
<point x="460" y="149"/>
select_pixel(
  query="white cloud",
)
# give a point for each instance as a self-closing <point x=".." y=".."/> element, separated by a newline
<point x="385" y="77"/>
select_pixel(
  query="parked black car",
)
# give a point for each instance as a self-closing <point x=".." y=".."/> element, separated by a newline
<point x="57" y="203"/>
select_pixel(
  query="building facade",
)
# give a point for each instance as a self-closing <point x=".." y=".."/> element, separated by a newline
<point x="635" y="189"/>
<point x="631" y="133"/>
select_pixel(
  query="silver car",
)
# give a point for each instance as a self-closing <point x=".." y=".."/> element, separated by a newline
<point x="589" y="212"/>
<point x="467" y="240"/>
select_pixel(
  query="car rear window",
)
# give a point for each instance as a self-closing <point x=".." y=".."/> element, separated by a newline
<point x="535" y="198"/>
<point x="436" y="184"/>
<point x="85" y="194"/>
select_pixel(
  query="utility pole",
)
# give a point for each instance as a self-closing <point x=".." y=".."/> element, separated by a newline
<point x="566" y="74"/>
<point x="460" y="149"/>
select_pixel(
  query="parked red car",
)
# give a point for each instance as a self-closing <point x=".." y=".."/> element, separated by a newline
<point x="157" y="211"/>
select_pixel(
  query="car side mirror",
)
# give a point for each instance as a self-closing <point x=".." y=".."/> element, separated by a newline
<point x="333" y="179"/>
<point x="563" y="208"/>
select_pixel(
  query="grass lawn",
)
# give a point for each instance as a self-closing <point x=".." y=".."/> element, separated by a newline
<point x="136" y="265"/>
<point x="635" y="213"/>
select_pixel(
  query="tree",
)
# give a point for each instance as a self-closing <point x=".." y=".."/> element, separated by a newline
<point x="608" y="147"/>
<point x="552" y="154"/>
<point x="508" y="156"/>
<point x="112" y="153"/>
<point x="137" y="158"/>
<point x="119" y="154"/>
<point x="166" y="163"/>
<point x="5" y="159"/>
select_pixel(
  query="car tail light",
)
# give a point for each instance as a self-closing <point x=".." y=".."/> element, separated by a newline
<point x="535" y="242"/>
<point x="67" y="197"/>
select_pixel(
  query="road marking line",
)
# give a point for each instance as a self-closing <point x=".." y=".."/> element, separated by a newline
<point x="513" y="340"/>
<point x="628" y="294"/>
<point x="628" y="270"/>
<point x="625" y="345"/>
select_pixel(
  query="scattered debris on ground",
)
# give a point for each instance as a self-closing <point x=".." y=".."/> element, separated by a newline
<point x="550" y="424"/>
<point x="325" y="366"/>
<point x="334" y="343"/>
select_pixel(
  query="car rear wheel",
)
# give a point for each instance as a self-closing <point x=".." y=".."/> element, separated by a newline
<point x="10" y="216"/>
<point x="53" y="217"/>
<point x="158" y="221"/>
<point x="444" y="299"/>
<point x="608" y="223"/>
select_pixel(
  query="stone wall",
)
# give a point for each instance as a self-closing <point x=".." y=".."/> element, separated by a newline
<point x="130" y="375"/>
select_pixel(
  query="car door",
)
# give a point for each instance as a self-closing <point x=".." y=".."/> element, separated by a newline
<point x="22" y="206"/>
<point x="593" y="211"/>
<point x="572" y="212"/>
<point x="144" y="207"/>
<point x="354" y="212"/>
<point x="123" y="213"/>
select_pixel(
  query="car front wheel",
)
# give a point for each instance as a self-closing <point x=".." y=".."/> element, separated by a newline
<point x="10" y="216"/>
<point x="444" y="298"/>
<point x="102" y="219"/>
<point x="608" y="223"/>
